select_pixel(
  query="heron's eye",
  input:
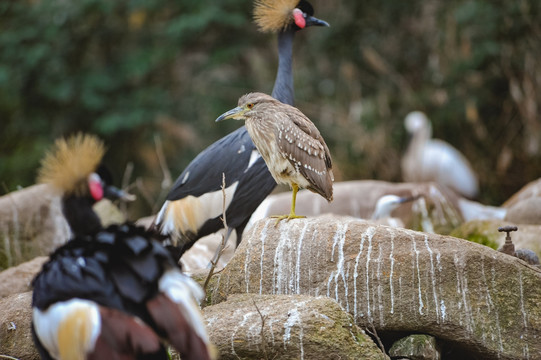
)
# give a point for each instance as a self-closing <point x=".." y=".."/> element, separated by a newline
<point x="250" y="105"/>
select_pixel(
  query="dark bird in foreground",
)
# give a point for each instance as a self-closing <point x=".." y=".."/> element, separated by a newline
<point x="194" y="205"/>
<point x="111" y="293"/>
<point x="290" y="144"/>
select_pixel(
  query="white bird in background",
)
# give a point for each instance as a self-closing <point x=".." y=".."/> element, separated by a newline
<point x="428" y="159"/>
<point x="387" y="203"/>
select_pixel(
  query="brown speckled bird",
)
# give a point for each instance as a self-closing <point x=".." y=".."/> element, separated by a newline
<point x="290" y="144"/>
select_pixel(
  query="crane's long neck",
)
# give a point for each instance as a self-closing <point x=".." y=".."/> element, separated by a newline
<point x="283" y="86"/>
<point x="80" y="216"/>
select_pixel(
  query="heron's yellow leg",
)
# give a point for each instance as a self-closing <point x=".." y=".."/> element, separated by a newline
<point x="292" y="214"/>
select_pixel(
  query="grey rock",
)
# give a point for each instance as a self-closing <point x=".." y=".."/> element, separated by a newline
<point x="17" y="279"/>
<point x="484" y="302"/>
<point x="530" y="190"/>
<point x="252" y="326"/>
<point x="527" y="211"/>
<point x="15" y="335"/>
<point x="416" y="347"/>
<point x="31" y="224"/>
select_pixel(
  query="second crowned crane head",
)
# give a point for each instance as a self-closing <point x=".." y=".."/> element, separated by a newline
<point x="280" y="15"/>
<point x="73" y="169"/>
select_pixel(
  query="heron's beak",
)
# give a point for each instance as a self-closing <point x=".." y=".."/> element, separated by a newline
<point x="114" y="193"/>
<point x="235" y="113"/>
<point x="314" y="21"/>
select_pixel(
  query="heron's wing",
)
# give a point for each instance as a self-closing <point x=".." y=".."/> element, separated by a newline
<point x="310" y="129"/>
<point x="306" y="150"/>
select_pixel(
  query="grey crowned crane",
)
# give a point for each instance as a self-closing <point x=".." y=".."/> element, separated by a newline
<point x="111" y="293"/>
<point x="193" y="207"/>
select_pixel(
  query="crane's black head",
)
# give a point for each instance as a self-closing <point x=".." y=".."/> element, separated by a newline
<point x="281" y="15"/>
<point x="72" y="168"/>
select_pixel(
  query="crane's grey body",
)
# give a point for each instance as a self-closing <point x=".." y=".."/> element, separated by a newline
<point x="191" y="210"/>
<point x="283" y="89"/>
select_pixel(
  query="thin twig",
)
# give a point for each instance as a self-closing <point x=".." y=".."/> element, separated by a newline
<point x="167" y="180"/>
<point x="146" y="195"/>
<point x="374" y="333"/>
<point x="8" y="357"/>
<point x="221" y="246"/>
<point x="224" y="219"/>
<point x="261" y="333"/>
<point x="125" y="184"/>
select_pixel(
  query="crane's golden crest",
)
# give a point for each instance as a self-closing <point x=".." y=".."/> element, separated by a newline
<point x="274" y="15"/>
<point x="67" y="165"/>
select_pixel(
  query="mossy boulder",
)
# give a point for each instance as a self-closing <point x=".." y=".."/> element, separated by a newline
<point x="416" y="347"/>
<point x="31" y="224"/>
<point x="285" y="327"/>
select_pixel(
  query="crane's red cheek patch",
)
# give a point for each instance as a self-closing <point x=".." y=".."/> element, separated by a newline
<point x="300" y="21"/>
<point x="96" y="190"/>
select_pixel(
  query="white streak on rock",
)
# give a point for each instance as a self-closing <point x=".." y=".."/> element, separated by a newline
<point x="247" y="262"/>
<point x="380" y="280"/>
<point x="391" y="288"/>
<point x="367" y="234"/>
<point x="433" y="277"/>
<point x="493" y="271"/>
<point x="262" y="255"/>
<point x="282" y="261"/>
<point x="294" y="319"/>
<point x="491" y="308"/>
<point x="443" y="310"/>
<point x="421" y="305"/>
<point x="245" y="318"/>
<point x="522" y="307"/>
<point x="462" y="288"/>
<point x="369" y="250"/>
<point x="298" y="263"/>
<point x="338" y="243"/>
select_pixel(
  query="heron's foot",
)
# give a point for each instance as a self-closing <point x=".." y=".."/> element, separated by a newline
<point x="286" y="217"/>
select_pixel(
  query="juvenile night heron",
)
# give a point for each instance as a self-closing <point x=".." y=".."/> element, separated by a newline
<point x="290" y="144"/>
<point x="194" y="206"/>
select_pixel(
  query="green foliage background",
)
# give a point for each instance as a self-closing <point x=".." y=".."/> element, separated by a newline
<point x="147" y="75"/>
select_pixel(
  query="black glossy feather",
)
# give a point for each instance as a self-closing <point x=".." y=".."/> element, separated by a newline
<point x="116" y="268"/>
<point x="230" y="155"/>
